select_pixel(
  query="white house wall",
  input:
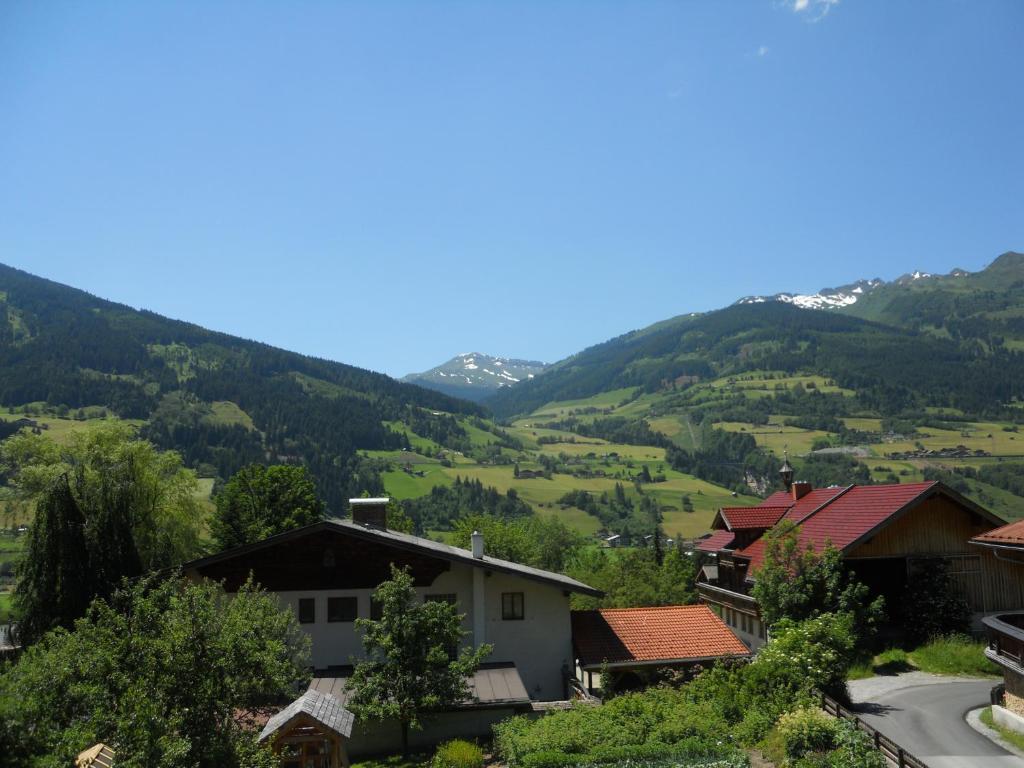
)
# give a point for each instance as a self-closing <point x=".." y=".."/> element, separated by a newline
<point x="540" y="645"/>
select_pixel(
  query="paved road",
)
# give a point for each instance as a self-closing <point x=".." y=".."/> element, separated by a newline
<point x="925" y="715"/>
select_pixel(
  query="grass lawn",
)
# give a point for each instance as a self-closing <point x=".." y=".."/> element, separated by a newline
<point x="775" y="437"/>
<point x="942" y="656"/>
<point x="1013" y="737"/>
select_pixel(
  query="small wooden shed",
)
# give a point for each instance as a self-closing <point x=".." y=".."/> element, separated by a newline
<point x="311" y="732"/>
<point x="96" y="756"/>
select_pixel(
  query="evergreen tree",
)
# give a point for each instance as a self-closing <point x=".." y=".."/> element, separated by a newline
<point x="54" y="579"/>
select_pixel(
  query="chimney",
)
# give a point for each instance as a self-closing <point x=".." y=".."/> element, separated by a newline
<point x="373" y="513"/>
<point x="478" y="545"/>
<point x="800" y="489"/>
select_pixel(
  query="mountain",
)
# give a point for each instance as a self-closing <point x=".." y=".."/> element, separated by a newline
<point x="221" y="401"/>
<point x="986" y="305"/>
<point x="921" y="341"/>
<point x="475" y="376"/>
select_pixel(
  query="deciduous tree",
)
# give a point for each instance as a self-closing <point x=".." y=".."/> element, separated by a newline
<point x="260" y="501"/>
<point x="161" y="672"/>
<point x="409" y="668"/>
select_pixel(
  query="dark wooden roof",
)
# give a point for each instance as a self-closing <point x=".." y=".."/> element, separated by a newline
<point x="394" y="540"/>
<point x="494" y="684"/>
<point x="325" y="709"/>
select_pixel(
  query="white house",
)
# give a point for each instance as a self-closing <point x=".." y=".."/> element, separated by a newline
<point x="327" y="572"/>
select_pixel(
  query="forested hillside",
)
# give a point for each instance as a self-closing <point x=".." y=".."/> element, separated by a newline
<point x="220" y="400"/>
<point x="891" y="369"/>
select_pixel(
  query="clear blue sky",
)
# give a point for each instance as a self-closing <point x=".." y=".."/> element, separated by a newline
<point x="389" y="183"/>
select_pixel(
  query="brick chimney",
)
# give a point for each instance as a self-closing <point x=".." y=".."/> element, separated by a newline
<point x="799" y="489"/>
<point x="373" y="513"/>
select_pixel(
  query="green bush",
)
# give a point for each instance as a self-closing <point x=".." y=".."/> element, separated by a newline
<point x="632" y="726"/>
<point x="854" y="748"/>
<point x="805" y="731"/>
<point x="458" y="754"/>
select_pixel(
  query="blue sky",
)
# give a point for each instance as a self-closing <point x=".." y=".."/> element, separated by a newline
<point x="388" y="184"/>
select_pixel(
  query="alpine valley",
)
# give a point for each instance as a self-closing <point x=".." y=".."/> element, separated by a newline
<point x="920" y="377"/>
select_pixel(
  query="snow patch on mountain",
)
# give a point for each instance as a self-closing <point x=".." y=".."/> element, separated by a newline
<point x="480" y="371"/>
<point x="844" y="296"/>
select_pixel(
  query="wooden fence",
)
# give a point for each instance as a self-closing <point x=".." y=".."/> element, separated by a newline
<point x="883" y="743"/>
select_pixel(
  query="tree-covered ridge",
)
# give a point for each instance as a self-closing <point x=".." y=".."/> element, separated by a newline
<point x="65" y="347"/>
<point x="891" y="369"/>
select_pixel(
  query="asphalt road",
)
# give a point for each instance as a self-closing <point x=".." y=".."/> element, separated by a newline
<point x="926" y="717"/>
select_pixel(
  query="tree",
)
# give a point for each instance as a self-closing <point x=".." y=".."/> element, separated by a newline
<point x="260" y="501"/>
<point x="108" y="506"/>
<point x="55" y="584"/>
<point x="161" y="672"/>
<point x="409" y="667"/>
<point x="798" y="584"/>
<point x="933" y="605"/>
<point x="542" y="541"/>
<point x="632" y="578"/>
<point x="108" y="465"/>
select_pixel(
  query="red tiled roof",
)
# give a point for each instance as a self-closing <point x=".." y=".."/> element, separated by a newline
<point x="716" y="541"/>
<point x="1012" y="535"/>
<point x="761" y="516"/>
<point x="671" y="633"/>
<point x="841" y="516"/>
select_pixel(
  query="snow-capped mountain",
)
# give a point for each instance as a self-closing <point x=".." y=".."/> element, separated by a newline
<point x="844" y="296"/>
<point x="474" y="375"/>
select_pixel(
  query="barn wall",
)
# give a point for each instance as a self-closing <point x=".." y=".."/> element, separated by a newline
<point x="939" y="527"/>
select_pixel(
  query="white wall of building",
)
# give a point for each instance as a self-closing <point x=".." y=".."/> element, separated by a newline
<point x="539" y="645"/>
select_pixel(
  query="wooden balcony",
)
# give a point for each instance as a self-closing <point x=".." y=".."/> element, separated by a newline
<point x="712" y="593"/>
<point x="1006" y="640"/>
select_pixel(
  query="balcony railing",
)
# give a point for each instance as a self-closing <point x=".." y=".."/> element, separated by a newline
<point x="718" y="594"/>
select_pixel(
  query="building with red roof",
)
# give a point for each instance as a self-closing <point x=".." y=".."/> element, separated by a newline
<point x="630" y="641"/>
<point x="884" y="532"/>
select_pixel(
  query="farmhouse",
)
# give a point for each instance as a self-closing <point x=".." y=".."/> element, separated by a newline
<point x="884" y="532"/>
<point x="327" y="572"/>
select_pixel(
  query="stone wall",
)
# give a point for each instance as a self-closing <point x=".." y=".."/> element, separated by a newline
<point x="1014" y="700"/>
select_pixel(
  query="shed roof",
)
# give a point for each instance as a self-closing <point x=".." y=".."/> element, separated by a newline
<point x="325" y="709"/>
<point x="96" y="756"/>
<point x="404" y="541"/>
<point x="638" y="636"/>
<point x="1011" y="535"/>
<point x="493" y="684"/>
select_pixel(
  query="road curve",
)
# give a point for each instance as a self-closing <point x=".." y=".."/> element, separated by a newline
<point x="926" y="716"/>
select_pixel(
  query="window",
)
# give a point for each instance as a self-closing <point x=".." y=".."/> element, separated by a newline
<point x="446" y="598"/>
<point x="342" y="608"/>
<point x="307" y="610"/>
<point x="512" y="606"/>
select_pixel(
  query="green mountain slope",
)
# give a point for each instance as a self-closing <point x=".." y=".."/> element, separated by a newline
<point x="891" y="369"/>
<point x="986" y="306"/>
<point x="220" y="400"/>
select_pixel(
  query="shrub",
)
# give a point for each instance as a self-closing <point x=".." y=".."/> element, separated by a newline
<point x="806" y="730"/>
<point x="810" y="654"/>
<point x="632" y="726"/>
<point x="458" y="754"/>
<point x="854" y="748"/>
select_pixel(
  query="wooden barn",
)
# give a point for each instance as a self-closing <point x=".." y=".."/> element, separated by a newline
<point x="885" y="533"/>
